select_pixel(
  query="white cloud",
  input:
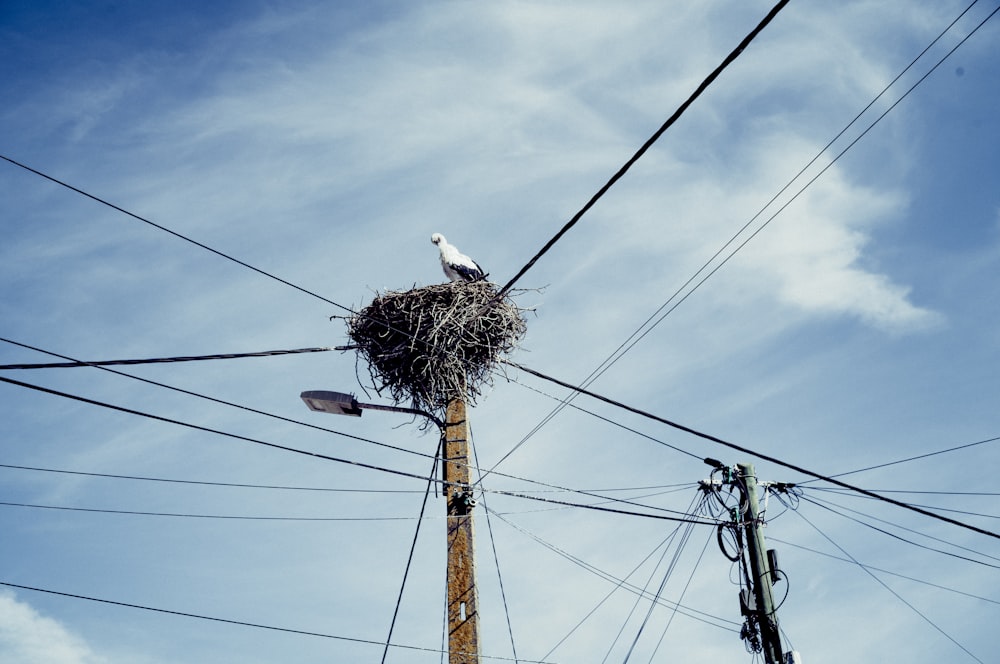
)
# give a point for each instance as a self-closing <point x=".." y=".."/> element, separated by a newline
<point x="28" y="637"/>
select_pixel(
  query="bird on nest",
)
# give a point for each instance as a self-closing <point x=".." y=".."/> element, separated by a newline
<point x="456" y="265"/>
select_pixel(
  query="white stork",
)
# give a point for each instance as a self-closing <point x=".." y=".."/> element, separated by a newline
<point x="456" y="265"/>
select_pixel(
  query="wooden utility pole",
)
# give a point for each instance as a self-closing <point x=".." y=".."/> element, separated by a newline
<point x="463" y="604"/>
<point x="760" y="569"/>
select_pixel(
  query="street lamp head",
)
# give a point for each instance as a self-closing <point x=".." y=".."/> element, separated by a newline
<point x="337" y="403"/>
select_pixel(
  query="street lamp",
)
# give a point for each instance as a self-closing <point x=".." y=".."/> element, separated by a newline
<point x="339" y="403"/>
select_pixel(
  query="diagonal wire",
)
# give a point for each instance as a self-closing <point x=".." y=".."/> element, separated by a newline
<point x="171" y="232"/>
<point x="735" y="53"/>
<point x="759" y="455"/>
<point x="639" y="334"/>
<point x="409" y="559"/>
<point x="685" y="538"/>
<point x="148" y="381"/>
<point x="162" y="360"/>
<point x="680" y="598"/>
<point x="886" y="586"/>
<point x="884" y="571"/>
<point x="496" y="558"/>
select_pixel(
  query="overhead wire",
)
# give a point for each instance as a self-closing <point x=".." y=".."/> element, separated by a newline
<point x="493" y="547"/>
<point x="409" y="558"/>
<point x="620" y="583"/>
<point x="828" y="507"/>
<point x="242" y="623"/>
<point x="358" y="464"/>
<point x="161" y="360"/>
<point x="223" y="517"/>
<point x="884" y="571"/>
<point x="680" y="598"/>
<point x="729" y="59"/>
<point x="645" y="588"/>
<point x="914" y="458"/>
<point x="238" y="485"/>
<point x="176" y="234"/>
<point x="678" y="551"/>
<point x="198" y="427"/>
<point x="223" y="402"/>
<point x="759" y="455"/>
<point x="639" y="334"/>
<point x="668" y="487"/>
<point x="882" y="583"/>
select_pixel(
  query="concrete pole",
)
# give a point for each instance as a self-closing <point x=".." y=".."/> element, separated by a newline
<point x="463" y="601"/>
<point x="759" y="570"/>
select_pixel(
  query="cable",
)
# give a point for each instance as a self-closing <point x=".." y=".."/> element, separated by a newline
<point x="672" y="488"/>
<point x="680" y="598"/>
<point x="914" y="458"/>
<point x="903" y="539"/>
<point x="493" y="546"/>
<point x="161" y="360"/>
<point x="409" y="559"/>
<point x="563" y="404"/>
<point x="884" y="571"/>
<point x="635" y="337"/>
<point x="340" y="460"/>
<point x="619" y="583"/>
<point x="735" y="53"/>
<point x="681" y="545"/>
<point x="171" y="232"/>
<point x="644" y="591"/>
<point x="243" y="623"/>
<point x="204" y="483"/>
<point x="206" y="516"/>
<point x="758" y="455"/>
<point x="215" y="400"/>
<point x="198" y="427"/>
<point x="929" y="507"/>
<point x="884" y="585"/>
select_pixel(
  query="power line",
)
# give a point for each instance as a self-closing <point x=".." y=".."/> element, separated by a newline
<point x="640" y="333"/>
<point x="756" y="454"/>
<point x="359" y="464"/>
<point x="884" y="585"/>
<point x="735" y="53"/>
<point x="224" y="517"/>
<point x="161" y="360"/>
<point x="915" y="458"/>
<point x="243" y="623"/>
<point x="409" y="559"/>
<point x="308" y="488"/>
<point x="202" y="482"/>
<point x="883" y="571"/>
<point x="198" y="427"/>
<point x="827" y="506"/>
<point x="493" y="546"/>
<point x="171" y="232"/>
<point x="645" y="146"/>
<point x="566" y="402"/>
<point x="75" y="362"/>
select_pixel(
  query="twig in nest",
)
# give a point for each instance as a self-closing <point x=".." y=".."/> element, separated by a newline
<point x="428" y="345"/>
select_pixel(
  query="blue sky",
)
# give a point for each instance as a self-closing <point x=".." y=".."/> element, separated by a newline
<point x="325" y="144"/>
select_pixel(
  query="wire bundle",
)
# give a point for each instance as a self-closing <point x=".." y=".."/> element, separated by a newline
<point x="429" y="345"/>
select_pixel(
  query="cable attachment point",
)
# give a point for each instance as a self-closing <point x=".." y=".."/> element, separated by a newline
<point x="464" y="498"/>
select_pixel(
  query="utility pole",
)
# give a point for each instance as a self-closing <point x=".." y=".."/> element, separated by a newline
<point x="760" y="568"/>
<point x="463" y="604"/>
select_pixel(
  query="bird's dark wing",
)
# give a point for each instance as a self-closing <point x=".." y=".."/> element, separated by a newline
<point x="469" y="273"/>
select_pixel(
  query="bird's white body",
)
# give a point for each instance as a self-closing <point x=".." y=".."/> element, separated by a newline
<point x="456" y="265"/>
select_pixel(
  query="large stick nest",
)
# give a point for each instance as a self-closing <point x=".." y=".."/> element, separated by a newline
<point x="429" y="345"/>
